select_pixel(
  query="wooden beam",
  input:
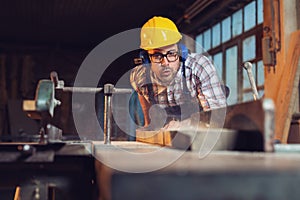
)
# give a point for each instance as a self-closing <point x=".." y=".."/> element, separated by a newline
<point x="3" y="96"/>
<point x="167" y="138"/>
<point x="288" y="88"/>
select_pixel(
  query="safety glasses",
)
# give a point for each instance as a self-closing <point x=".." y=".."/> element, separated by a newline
<point x="158" y="57"/>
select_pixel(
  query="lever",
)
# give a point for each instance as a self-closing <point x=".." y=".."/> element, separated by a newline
<point x="248" y="67"/>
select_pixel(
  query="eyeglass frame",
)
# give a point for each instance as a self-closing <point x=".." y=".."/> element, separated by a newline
<point x="164" y="55"/>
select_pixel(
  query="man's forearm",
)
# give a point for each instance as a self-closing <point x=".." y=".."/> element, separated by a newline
<point x="145" y="107"/>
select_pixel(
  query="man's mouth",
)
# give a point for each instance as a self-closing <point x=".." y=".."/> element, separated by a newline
<point x="166" y="72"/>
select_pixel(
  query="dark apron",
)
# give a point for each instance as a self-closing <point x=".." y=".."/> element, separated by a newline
<point x="178" y="112"/>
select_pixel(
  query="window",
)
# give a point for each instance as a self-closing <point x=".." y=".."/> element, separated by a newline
<point x="199" y="43"/>
<point x="216" y="35"/>
<point x="218" y="62"/>
<point x="249" y="16"/>
<point x="260" y="16"/>
<point x="226" y="31"/>
<point x="207" y="40"/>
<point x="260" y="78"/>
<point x="232" y="41"/>
<point x="249" y="45"/>
<point x="237" y="23"/>
<point x="231" y="73"/>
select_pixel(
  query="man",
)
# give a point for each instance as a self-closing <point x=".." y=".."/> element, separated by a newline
<point x="173" y="80"/>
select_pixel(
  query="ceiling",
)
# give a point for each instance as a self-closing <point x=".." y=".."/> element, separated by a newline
<point x="77" y="22"/>
<point x="84" y="23"/>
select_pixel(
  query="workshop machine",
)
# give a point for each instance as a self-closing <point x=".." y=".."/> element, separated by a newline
<point x="49" y="165"/>
<point x="44" y="168"/>
<point x="55" y="167"/>
<point x="44" y="165"/>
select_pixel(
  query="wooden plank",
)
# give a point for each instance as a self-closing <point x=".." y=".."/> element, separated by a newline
<point x="153" y="137"/>
<point x="167" y="138"/>
<point x="246" y="118"/>
<point x="13" y="78"/>
<point x="288" y="89"/>
<point x="27" y="77"/>
<point x="3" y="96"/>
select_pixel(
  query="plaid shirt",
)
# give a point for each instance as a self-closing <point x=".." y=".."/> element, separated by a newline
<point x="202" y="83"/>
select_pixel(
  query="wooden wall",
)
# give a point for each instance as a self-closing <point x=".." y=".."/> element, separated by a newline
<point x="20" y="71"/>
<point x="282" y="80"/>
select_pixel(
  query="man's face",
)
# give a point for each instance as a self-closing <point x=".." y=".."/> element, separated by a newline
<point x="167" y="68"/>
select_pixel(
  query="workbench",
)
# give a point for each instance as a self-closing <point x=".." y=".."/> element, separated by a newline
<point x="47" y="171"/>
<point x="135" y="170"/>
<point x="123" y="174"/>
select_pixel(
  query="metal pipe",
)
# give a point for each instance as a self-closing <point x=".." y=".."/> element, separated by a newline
<point x="248" y="67"/>
<point x="59" y="84"/>
<point x="82" y="89"/>
<point x="108" y="90"/>
<point x="95" y="90"/>
<point x="122" y="91"/>
<point x="269" y="123"/>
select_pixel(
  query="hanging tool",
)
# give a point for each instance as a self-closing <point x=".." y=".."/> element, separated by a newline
<point x="248" y="67"/>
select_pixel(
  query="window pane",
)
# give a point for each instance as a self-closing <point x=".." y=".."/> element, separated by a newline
<point x="249" y="16"/>
<point x="209" y="56"/>
<point x="216" y="34"/>
<point x="248" y="96"/>
<point x="207" y="40"/>
<point x="260" y="14"/>
<point x="231" y="74"/>
<point x="261" y="93"/>
<point x="249" y="48"/>
<point x="217" y="58"/>
<point x="226" y="29"/>
<point x="260" y="73"/>
<point x="237" y="23"/>
<point x="260" y="77"/>
<point x="199" y="43"/>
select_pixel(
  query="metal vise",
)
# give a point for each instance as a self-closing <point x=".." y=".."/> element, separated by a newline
<point x="44" y="102"/>
<point x="42" y="107"/>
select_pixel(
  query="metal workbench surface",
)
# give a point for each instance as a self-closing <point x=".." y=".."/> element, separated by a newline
<point x="139" y="171"/>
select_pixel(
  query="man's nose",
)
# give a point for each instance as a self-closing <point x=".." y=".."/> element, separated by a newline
<point x="165" y="61"/>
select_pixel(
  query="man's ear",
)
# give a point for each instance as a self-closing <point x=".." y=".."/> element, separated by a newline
<point x="183" y="50"/>
<point x="145" y="57"/>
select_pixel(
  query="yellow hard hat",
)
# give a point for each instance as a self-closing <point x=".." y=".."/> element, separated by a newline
<point x="159" y="32"/>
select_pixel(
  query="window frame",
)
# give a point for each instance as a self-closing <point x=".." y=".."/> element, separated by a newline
<point x="257" y="31"/>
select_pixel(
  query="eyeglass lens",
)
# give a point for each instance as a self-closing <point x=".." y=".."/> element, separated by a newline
<point x="158" y="57"/>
